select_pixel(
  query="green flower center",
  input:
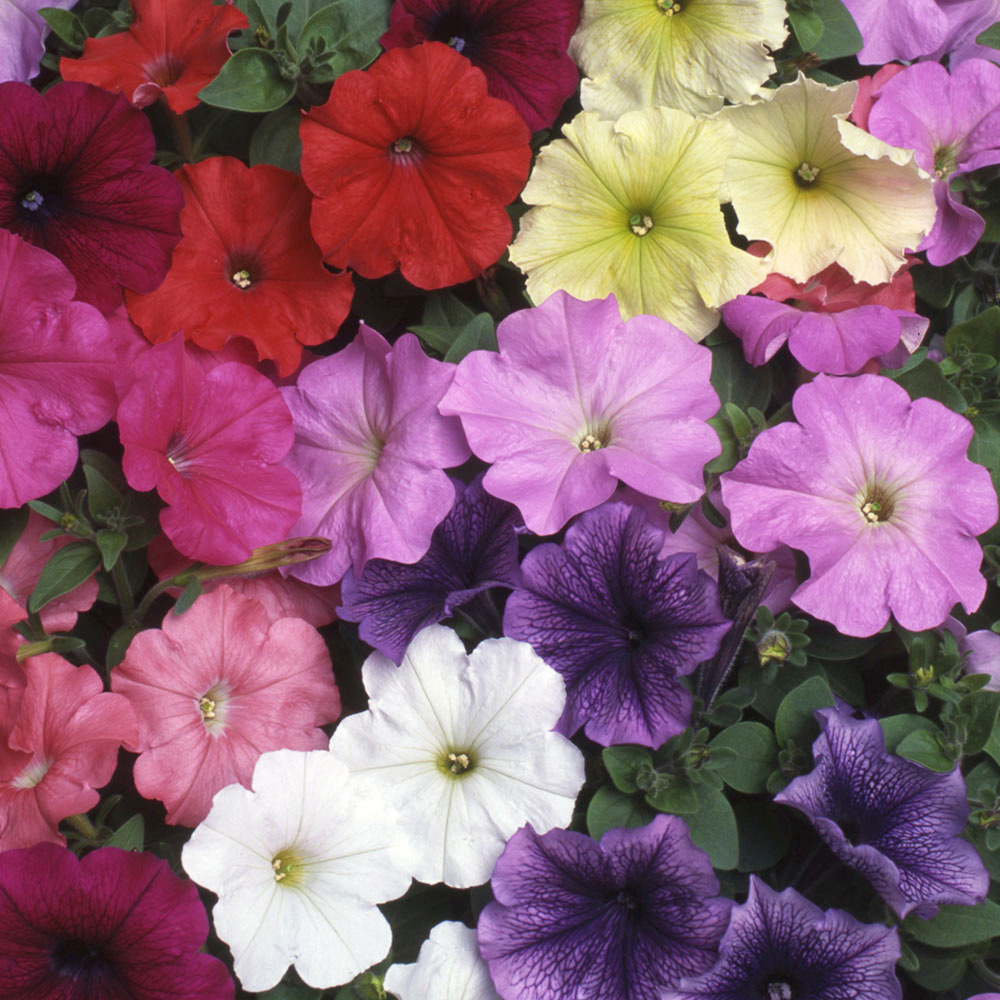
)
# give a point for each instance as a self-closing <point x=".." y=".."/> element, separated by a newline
<point x="668" y="7"/>
<point x="207" y="706"/>
<point x="288" y="867"/>
<point x="945" y="161"/>
<point x="457" y="763"/>
<point x="640" y="223"/>
<point x="877" y="504"/>
<point x="806" y="174"/>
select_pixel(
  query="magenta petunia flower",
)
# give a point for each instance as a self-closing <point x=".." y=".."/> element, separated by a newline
<point x="370" y="447"/>
<point x="877" y="491"/>
<point x="116" y="925"/>
<point x="75" y="179"/>
<point x="22" y="37"/>
<point x="520" y="45"/>
<point x="216" y="688"/>
<point x="577" y="399"/>
<point x="211" y="443"/>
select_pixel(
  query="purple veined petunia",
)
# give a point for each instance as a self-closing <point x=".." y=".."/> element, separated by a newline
<point x="952" y="122"/>
<point x="577" y="399"/>
<point x="616" y="920"/>
<point x="894" y="821"/>
<point x="876" y="489"/>
<point x="619" y="623"/>
<point x="472" y="549"/>
<point x="779" y="946"/>
<point x="22" y="37"/>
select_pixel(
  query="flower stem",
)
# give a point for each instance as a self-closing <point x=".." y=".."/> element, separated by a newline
<point x="82" y="825"/>
<point x="123" y="591"/>
<point x="182" y="134"/>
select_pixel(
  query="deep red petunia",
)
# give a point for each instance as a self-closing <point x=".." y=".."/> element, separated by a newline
<point x="521" y="46"/>
<point x="75" y="179"/>
<point x="412" y="164"/>
<point x="246" y="267"/>
<point x="173" y="47"/>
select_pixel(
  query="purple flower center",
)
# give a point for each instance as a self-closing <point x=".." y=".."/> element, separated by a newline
<point x="78" y="960"/>
<point x="628" y="900"/>
<point x="36" y="201"/>
<point x="853" y="831"/>
<point x="453" y="29"/>
<point x="777" y="989"/>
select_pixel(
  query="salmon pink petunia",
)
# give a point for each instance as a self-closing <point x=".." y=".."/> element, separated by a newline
<point x="246" y="267"/>
<point x="216" y="688"/>
<point x="172" y="47"/>
<point x="412" y="164"/>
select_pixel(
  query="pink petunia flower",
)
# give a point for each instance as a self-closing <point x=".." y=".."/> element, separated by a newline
<point x="877" y="491"/>
<point x="210" y="442"/>
<point x="577" y="399"/>
<point x="61" y="746"/>
<point x="216" y="688"/>
<point x="370" y="447"/>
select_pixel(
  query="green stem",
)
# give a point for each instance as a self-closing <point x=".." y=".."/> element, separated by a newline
<point x="979" y="963"/>
<point x="82" y="825"/>
<point x="182" y="134"/>
<point x="180" y="580"/>
<point x="124" y="592"/>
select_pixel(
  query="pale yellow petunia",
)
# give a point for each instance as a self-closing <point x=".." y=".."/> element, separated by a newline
<point x="687" y="54"/>
<point x="632" y="208"/>
<point x="819" y="189"/>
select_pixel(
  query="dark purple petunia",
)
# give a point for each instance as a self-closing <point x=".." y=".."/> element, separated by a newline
<point x="615" y="920"/>
<point x="118" y="925"/>
<point x="520" y="45"/>
<point x="894" y="821"/>
<point x="75" y="179"/>
<point x="619" y="623"/>
<point x="472" y="549"/>
<point x="779" y="946"/>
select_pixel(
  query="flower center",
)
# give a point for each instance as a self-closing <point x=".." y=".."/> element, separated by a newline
<point x="590" y="443"/>
<point x="77" y="960"/>
<point x="669" y="7"/>
<point x="627" y="900"/>
<point x="175" y="453"/>
<point x="456" y="43"/>
<point x="165" y="70"/>
<point x="33" y="773"/>
<point x="457" y="762"/>
<point x="945" y="161"/>
<point x="852" y="831"/>
<point x="207" y="707"/>
<point x="777" y="989"/>
<point x="32" y="201"/>
<point x="453" y="29"/>
<point x="403" y="145"/>
<point x="806" y="174"/>
<point x="406" y="151"/>
<point x="212" y="705"/>
<point x="640" y="223"/>
<point x="288" y="868"/>
<point x="876" y="504"/>
<point x="241" y="279"/>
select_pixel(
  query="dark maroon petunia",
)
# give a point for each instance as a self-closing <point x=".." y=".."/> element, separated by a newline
<point x="521" y="46"/>
<point x="75" y="179"/>
<point x="117" y="925"/>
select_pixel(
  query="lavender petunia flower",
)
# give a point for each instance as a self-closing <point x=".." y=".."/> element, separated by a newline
<point x="472" y="549"/>
<point x="578" y="399"/>
<point x="22" y="37"/>
<point x="779" y="946"/>
<point x="619" y="623"/>
<point x="618" y="920"/>
<point x="894" y="821"/>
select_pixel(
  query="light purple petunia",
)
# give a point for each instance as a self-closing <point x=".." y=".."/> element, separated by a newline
<point x="369" y="451"/>
<point x="952" y="122"/>
<point x="894" y="821"/>
<point x="877" y="491"/>
<point x="578" y="399"/>
<point x="779" y="946"/>
<point x="615" y="920"/>
<point x="22" y="37"/>
<point x="619" y="623"/>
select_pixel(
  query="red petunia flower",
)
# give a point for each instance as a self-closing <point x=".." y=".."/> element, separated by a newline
<point x="75" y="179"/>
<point x="521" y="46"/>
<point x="173" y="47"/>
<point x="412" y="164"/>
<point x="246" y="267"/>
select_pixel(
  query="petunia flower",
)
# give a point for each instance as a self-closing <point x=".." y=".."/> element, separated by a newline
<point x="12" y="677"/>
<point x="894" y="821"/>
<point x="461" y="743"/>
<point x="370" y="450"/>
<point x="210" y="443"/>
<point x="246" y="267"/>
<point x="619" y="623"/>
<point x="114" y="924"/>
<point x="57" y="365"/>
<point x="449" y="967"/>
<point x="216" y="688"/>
<point x="631" y="208"/>
<point x="172" y="47"/>
<point x="23" y="32"/>
<point x="819" y="189"/>
<point x="75" y="179"/>
<point x="299" y="864"/>
<point x="60" y="747"/>
<point x="779" y="945"/>
<point x="520" y="45"/>
<point x="615" y="920"/>
<point x="951" y="122"/>
<point x="690" y="55"/>
<point x="412" y="164"/>
<point x="473" y="549"/>
<point x="861" y="484"/>
<point x="578" y="399"/>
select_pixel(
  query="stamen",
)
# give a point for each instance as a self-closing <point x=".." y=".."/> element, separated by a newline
<point x="807" y="174"/>
<point x="207" y="707"/>
<point x="591" y="443"/>
<point x="668" y="8"/>
<point x="457" y="43"/>
<point x="403" y="145"/>
<point x="32" y="201"/>
<point x="460" y="763"/>
<point x="640" y="224"/>
<point x="241" y="279"/>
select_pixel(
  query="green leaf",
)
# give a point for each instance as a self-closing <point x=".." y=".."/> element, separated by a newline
<point x="808" y="27"/>
<point x="102" y="498"/>
<point x="674" y="794"/>
<point x="756" y="756"/>
<point x="927" y="379"/>
<point x="713" y="828"/>
<point x="897" y="727"/>
<point x="445" y="309"/>
<point x="68" y="568"/>
<point x="479" y="334"/>
<point x="276" y="140"/>
<point x="130" y="836"/>
<point x="957" y="926"/>
<point x="111" y="544"/>
<point x="736" y="380"/>
<point x="249" y="81"/>
<point x="979" y="335"/>
<point x="293" y="991"/>
<point x="990" y="37"/>
<point x="923" y="747"/>
<point x="66" y="25"/>
<point x="765" y="834"/>
<point x="12" y="524"/>
<point x="622" y="764"/>
<point x="840" y="34"/>
<point x="609" y="809"/>
<point x="350" y="30"/>
<point x="795" y="720"/>
<point x="118" y="644"/>
<point x="983" y="708"/>
<point x="189" y="595"/>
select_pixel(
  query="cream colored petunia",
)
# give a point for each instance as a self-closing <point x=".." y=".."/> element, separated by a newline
<point x="819" y="189"/>
<point x="687" y="54"/>
<point x="632" y="208"/>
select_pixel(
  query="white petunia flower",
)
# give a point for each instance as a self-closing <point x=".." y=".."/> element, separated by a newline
<point x="463" y="745"/>
<point x="449" y="967"/>
<point x="298" y="864"/>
